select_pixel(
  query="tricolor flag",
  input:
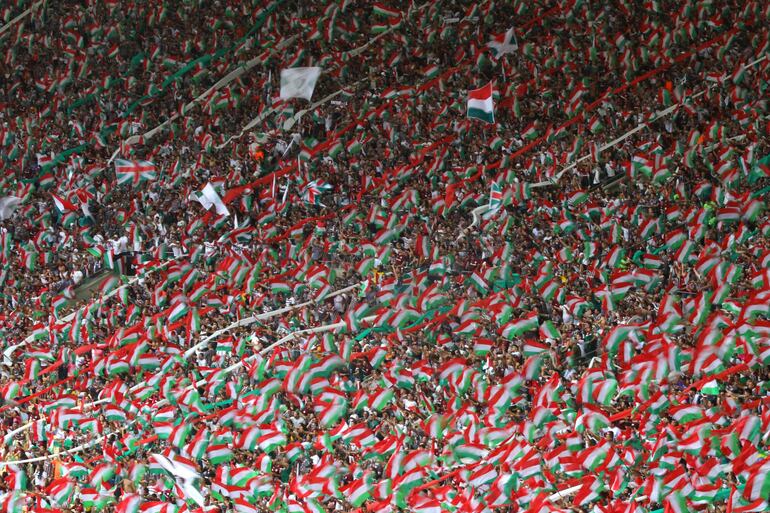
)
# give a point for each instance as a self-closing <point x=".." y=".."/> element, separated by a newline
<point x="685" y="414"/>
<point x="495" y="198"/>
<point x="134" y="172"/>
<point x="177" y="312"/>
<point x="89" y="497"/>
<point x="60" y="491"/>
<point x="219" y="454"/>
<point x="130" y="504"/>
<point x="357" y="492"/>
<point x="758" y="485"/>
<point x="548" y="330"/>
<point x="383" y="10"/>
<point x="480" y="104"/>
<point x="519" y="326"/>
<point x="271" y="441"/>
<point x="243" y="506"/>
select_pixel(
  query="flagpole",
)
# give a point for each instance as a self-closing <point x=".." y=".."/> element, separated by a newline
<point x="288" y="147"/>
<point x="285" y="191"/>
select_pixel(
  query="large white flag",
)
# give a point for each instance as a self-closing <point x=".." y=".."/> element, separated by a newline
<point x="208" y="197"/>
<point x="299" y="82"/>
<point x="8" y="205"/>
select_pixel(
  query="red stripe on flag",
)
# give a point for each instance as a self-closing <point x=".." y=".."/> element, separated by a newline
<point x="482" y="93"/>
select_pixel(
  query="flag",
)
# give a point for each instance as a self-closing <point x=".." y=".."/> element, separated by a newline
<point x="758" y="484"/>
<point x="8" y="205"/>
<point x="130" y="504"/>
<point x="519" y="326"/>
<point x="685" y="414"/>
<point x="548" y="330"/>
<point x="15" y="502"/>
<point x="242" y="506"/>
<point x="18" y="479"/>
<point x="271" y="441"/>
<point x="177" y="312"/>
<point x="503" y="43"/>
<point x="63" y="205"/>
<point x="480" y="104"/>
<point x="219" y="454"/>
<point x="357" y="492"/>
<point x="60" y="491"/>
<point x="710" y="388"/>
<point x="495" y="198"/>
<point x="640" y="163"/>
<point x="134" y="172"/>
<point x="383" y="10"/>
<point x="208" y="197"/>
<point x="299" y="82"/>
<point x="312" y="191"/>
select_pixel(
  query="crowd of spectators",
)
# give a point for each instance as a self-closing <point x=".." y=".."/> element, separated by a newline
<point x="358" y="333"/>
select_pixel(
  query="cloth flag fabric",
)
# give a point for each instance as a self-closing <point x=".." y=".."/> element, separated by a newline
<point x="504" y="43"/>
<point x="134" y="172"/>
<point x="208" y="197"/>
<point x="63" y="205"/>
<point x="480" y="104"/>
<point x="299" y="82"/>
<point x="8" y="205"/>
<point x="495" y="198"/>
<point x="313" y="190"/>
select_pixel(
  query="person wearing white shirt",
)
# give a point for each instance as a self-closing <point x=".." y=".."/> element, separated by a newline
<point x="121" y="245"/>
<point x="41" y="478"/>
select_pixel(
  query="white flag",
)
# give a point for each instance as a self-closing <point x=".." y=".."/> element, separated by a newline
<point x="8" y="205"/>
<point x="185" y="476"/>
<point x="208" y="197"/>
<point x="299" y="82"/>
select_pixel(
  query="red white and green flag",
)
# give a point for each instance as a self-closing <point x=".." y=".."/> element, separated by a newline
<point x="60" y="491"/>
<point x="480" y="104"/>
<point x="129" y="504"/>
<point x="357" y="492"/>
<point x="495" y="197"/>
<point x="382" y="9"/>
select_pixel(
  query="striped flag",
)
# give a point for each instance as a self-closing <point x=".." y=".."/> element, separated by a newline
<point x="129" y="504"/>
<point x="495" y="197"/>
<point x="60" y="491"/>
<point x="480" y="104"/>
